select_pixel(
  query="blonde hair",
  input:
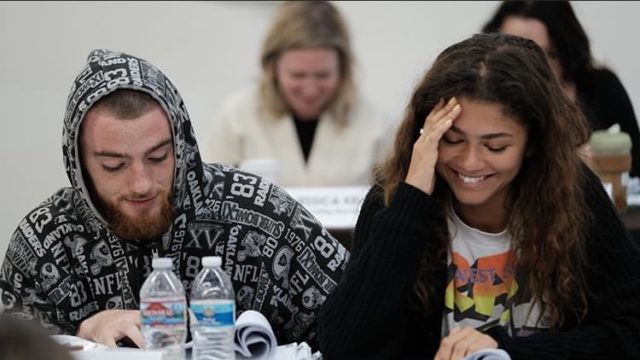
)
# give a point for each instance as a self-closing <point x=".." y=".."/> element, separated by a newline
<point x="307" y="24"/>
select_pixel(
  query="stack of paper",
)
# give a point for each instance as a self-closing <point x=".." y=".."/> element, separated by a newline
<point x="254" y="337"/>
<point x="489" y="354"/>
<point x="255" y="340"/>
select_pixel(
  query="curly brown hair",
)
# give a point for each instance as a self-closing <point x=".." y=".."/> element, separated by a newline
<point x="546" y="201"/>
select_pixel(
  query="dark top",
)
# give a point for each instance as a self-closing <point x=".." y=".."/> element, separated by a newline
<point x="368" y="314"/>
<point x="605" y="102"/>
<point x="306" y="130"/>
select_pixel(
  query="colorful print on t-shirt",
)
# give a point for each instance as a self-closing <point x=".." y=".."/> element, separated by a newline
<point x="482" y="284"/>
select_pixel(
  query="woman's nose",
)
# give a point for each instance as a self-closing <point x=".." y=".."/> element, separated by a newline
<point x="472" y="159"/>
<point x="310" y="88"/>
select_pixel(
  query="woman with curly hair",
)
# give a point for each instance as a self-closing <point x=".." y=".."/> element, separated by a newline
<point x="485" y="228"/>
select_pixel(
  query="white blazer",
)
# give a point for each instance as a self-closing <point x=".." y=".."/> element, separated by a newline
<point x="341" y="155"/>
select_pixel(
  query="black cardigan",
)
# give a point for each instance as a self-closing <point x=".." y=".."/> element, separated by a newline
<point x="368" y="315"/>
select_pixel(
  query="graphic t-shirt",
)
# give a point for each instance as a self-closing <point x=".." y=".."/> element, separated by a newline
<point x="482" y="284"/>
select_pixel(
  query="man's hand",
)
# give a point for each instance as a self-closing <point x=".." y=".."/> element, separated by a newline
<point x="109" y="326"/>
<point x="462" y="342"/>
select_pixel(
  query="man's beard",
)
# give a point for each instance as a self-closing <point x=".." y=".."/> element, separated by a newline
<point x="143" y="227"/>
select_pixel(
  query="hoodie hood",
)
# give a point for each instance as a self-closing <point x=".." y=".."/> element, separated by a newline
<point x="105" y="72"/>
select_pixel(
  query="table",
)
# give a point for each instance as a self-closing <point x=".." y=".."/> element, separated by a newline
<point x="117" y="354"/>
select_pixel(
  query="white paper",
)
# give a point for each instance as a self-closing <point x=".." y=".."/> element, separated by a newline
<point x="254" y="337"/>
<point x="94" y="351"/>
<point x="295" y="351"/>
<point x="489" y="354"/>
<point x="117" y="354"/>
<point x="255" y="340"/>
<point x="75" y="341"/>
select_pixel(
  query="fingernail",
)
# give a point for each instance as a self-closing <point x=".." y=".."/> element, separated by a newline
<point x="452" y="100"/>
<point x="456" y="108"/>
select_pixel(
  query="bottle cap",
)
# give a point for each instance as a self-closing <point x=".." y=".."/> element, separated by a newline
<point x="210" y="261"/>
<point x="162" y="263"/>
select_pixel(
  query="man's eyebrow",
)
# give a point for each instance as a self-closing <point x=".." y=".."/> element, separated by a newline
<point x="110" y="154"/>
<point x="161" y="144"/>
<point x="114" y="154"/>
<point x="486" y="137"/>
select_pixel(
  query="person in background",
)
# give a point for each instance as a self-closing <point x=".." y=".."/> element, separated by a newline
<point x="26" y="340"/>
<point x="140" y="190"/>
<point x="306" y="112"/>
<point x="554" y="26"/>
<point x="485" y="228"/>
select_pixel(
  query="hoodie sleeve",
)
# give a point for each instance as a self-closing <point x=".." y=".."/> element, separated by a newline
<point x="317" y="263"/>
<point x="297" y="261"/>
<point x="27" y="272"/>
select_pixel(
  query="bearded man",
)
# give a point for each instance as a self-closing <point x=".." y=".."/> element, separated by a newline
<point x="138" y="190"/>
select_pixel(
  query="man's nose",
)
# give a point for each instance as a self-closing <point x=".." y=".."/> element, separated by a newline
<point x="140" y="180"/>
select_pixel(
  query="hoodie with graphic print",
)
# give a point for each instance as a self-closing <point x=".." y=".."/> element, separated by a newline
<point x="64" y="264"/>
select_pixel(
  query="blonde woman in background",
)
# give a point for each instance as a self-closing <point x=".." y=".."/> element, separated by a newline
<point x="305" y="112"/>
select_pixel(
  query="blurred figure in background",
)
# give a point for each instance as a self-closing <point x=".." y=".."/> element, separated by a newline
<point x="26" y="340"/>
<point x="306" y="112"/>
<point x="597" y="90"/>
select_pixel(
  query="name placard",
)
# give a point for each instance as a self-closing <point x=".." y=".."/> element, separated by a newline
<point x="336" y="207"/>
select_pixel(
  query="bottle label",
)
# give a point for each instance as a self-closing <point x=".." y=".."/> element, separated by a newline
<point x="156" y="313"/>
<point x="214" y="312"/>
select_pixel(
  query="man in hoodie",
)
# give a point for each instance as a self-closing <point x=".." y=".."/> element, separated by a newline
<point x="139" y="189"/>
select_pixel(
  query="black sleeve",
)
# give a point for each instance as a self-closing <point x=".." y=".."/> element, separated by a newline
<point x="611" y="328"/>
<point x="365" y="317"/>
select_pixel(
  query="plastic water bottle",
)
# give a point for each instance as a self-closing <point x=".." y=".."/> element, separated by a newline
<point x="163" y="311"/>
<point x="213" y="309"/>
